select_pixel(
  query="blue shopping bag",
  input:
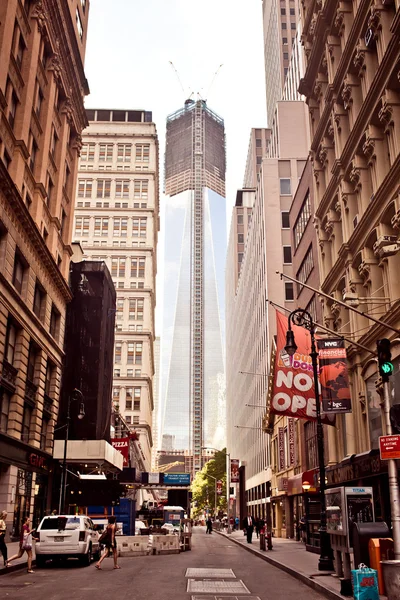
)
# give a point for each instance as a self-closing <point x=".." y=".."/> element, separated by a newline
<point x="365" y="583"/>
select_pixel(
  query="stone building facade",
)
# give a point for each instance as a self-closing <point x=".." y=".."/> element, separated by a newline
<point x="117" y="221"/>
<point x="42" y="85"/>
<point x="352" y="87"/>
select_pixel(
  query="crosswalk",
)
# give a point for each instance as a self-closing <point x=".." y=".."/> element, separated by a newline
<point x="216" y="584"/>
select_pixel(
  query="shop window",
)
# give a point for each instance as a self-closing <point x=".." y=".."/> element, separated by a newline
<point x="5" y="399"/>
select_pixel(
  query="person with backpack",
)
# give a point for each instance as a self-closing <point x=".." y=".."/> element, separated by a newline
<point x="107" y="538"/>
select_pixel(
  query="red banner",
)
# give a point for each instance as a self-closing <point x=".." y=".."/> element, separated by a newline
<point x="293" y="391"/>
<point x="234" y="470"/>
<point x="122" y="445"/>
<point x="219" y="487"/>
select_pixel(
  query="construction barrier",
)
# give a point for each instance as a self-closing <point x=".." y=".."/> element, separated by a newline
<point x="133" y="546"/>
<point x="164" y="544"/>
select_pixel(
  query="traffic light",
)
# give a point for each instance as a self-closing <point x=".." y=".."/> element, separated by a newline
<point x="384" y="358"/>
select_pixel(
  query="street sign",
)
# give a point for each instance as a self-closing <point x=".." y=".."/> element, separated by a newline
<point x="389" y="446"/>
<point x="177" y="478"/>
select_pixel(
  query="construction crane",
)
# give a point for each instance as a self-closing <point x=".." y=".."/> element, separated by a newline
<point x="177" y="75"/>
<point x="165" y="468"/>
<point x="213" y="79"/>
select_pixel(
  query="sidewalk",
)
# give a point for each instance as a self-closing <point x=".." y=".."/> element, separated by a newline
<point x="19" y="563"/>
<point x="292" y="557"/>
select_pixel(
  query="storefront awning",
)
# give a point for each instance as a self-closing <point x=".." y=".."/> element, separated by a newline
<point x="93" y="453"/>
<point x="295" y="484"/>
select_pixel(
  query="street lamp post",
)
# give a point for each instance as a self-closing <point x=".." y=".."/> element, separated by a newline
<point x="76" y="395"/>
<point x="302" y="318"/>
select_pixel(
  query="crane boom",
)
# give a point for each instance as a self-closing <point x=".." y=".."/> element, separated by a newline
<point x="177" y="75"/>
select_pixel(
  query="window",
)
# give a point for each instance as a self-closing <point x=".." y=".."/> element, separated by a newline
<point x="310" y="434"/>
<point x="287" y="255"/>
<point x="289" y="292"/>
<point x="20" y="48"/>
<point x="117" y="372"/>
<point x="136" y="398"/>
<point x="142" y="152"/>
<point x="283" y="11"/>
<point x="100" y="226"/>
<point x="11" y="342"/>
<point x="135" y="420"/>
<point x="50" y="371"/>
<point x="79" y="24"/>
<point x="118" y="266"/>
<point x="33" y="152"/>
<point x="87" y="152"/>
<point x="285" y="220"/>
<point x="240" y="238"/>
<point x="305" y="269"/>
<point x="284" y="26"/>
<point x="5" y="398"/>
<point x="82" y="225"/>
<point x="292" y="25"/>
<point x="139" y="227"/>
<point x="135" y="350"/>
<point x="284" y="41"/>
<point x="32" y="357"/>
<point x="54" y="322"/>
<point x="122" y="188"/>
<point x="13" y="103"/>
<point x="240" y="219"/>
<point x="106" y="152"/>
<point x="124" y="152"/>
<point x="312" y="308"/>
<point x="136" y="308"/>
<point x="103" y="188"/>
<point x="85" y="188"/>
<point x="26" y="422"/>
<point x="49" y="189"/>
<point x="20" y="266"/>
<point x="141" y="188"/>
<point x="118" y="352"/>
<point x="39" y="100"/>
<point x="138" y="266"/>
<point x="43" y="433"/>
<point x="302" y="220"/>
<point x="286" y="55"/>
<point x="285" y="187"/>
<point x="39" y="301"/>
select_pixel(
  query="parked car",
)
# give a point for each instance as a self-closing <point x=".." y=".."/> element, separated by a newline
<point x="66" y="536"/>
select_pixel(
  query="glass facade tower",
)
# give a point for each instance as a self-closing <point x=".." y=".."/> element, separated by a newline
<point x="192" y="344"/>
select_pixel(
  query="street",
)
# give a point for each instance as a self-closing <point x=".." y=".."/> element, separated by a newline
<point x="160" y="577"/>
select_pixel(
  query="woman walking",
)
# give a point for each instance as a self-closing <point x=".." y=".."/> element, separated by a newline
<point x="3" y="527"/>
<point x="25" y="544"/>
<point x="110" y="543"/>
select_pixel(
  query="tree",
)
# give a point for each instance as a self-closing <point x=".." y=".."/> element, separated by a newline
<point x="203" y="485"/>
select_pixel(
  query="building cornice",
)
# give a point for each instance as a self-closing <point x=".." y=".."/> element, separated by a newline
<point x="16" y="204"/>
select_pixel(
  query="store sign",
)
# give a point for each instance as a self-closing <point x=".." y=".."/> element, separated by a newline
<point x="234" y="470"/>
<point x="281" y="448"/>
<point x="389" y="446"/>
<point x="37" y="461"/>
<point x="219" y="487"/>
<point x="333" y="376"/>
<point x="122" y="445"/>
<point x="282" y="484"/>
<point x="292" y="441"/>
<point x="293" y="391"/>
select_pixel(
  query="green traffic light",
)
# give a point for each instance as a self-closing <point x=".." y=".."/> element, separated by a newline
<point x="387" y="368"/>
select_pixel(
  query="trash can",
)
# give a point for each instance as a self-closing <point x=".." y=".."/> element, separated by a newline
<point x="380" y="549"/>
<point x="362" y="533"/>
<point x="262" y="540"/>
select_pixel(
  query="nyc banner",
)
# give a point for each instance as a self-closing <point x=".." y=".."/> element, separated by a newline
<point x="333" y="376"/>
<point x="293" y="391"/>
<point x="234" y="470"/>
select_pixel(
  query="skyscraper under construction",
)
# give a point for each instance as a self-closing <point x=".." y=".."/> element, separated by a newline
<point x="192" y="355"/>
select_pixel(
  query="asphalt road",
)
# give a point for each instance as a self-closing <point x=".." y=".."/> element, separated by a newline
<point x="159" y="577"/>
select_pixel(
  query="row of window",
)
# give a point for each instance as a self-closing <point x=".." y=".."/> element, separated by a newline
<point x="132" y="397"/>
<point x="302" y="220"/>
<point x="107" y="205"/>
<point x="134" y="352"/>
<point x="119" y="264"/>
<point x="135" y="308"/>
<point x="121" y="189"/>
<point x="32" y="377"/>
<point x="305" y="269"/>
<point x="120" y="226"/>
<point x="104" y="152"/>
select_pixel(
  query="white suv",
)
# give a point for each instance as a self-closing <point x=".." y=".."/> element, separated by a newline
<point x="66" y="536"/>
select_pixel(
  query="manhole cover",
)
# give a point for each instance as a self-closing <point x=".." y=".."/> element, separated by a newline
<point x="220" y="573"/>
<point x="216" y="587"/>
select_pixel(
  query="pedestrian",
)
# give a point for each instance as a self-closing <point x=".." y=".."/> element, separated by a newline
<point x="25" y="544"/>
<point x="110" y="543"/>
<point x="209" y="525"/>
<point x="237" y="522"/>
<point x="3" y="528"/>
<point x="248" y="526"/>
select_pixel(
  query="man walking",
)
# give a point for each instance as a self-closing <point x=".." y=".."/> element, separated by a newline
<point x="209" y="525"/>
<point x="248" y="525"/>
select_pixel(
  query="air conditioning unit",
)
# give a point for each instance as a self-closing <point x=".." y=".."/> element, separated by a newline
<point x="384" y="241"/>
<point x="369" y="38"/>
<point x="351" y="298"/>
<point x="355" y="221"/>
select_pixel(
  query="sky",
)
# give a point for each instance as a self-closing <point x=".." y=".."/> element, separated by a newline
<point x="129" y="48"/>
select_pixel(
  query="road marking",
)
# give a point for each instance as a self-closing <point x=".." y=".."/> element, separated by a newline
<point x="216" y="587"/>
<point x="224" y="598"/>
<point x="220" y="573"/>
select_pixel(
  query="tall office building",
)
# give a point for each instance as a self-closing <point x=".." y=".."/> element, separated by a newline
<point x="193" y="371"/>
<point x="116" y="220"/>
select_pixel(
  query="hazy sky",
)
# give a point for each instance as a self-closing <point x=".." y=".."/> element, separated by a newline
<point x="130" y="44"/>
<point x="129" y="49"/>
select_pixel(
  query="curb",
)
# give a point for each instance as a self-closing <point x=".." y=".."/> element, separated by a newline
<point x="17" y="567"/>
<point x="306" y="579"/>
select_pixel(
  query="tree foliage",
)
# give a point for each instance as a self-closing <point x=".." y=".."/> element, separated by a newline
<point x="203" y="485"/>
